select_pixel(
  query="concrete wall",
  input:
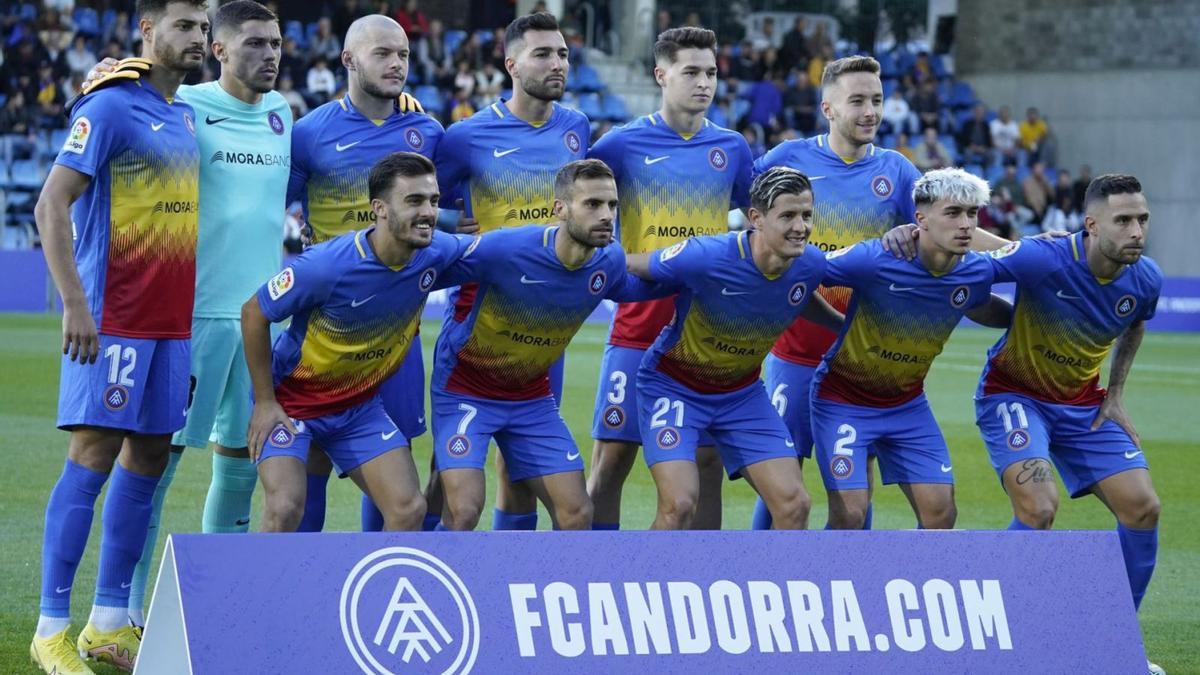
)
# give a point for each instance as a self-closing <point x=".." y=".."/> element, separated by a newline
<point x="1119" y="82"/>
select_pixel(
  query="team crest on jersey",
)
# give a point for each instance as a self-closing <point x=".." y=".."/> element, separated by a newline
<point x="881" y="187"/>
<point x="614" y="417"/>
<point x="189" y="123"/>
<point x="116" y="397"/>
<point x="717" y="159"/>
<point x="1126" y="305"/>
<point x="427" y="278"/>
<point x="281" y="283"/>
<point x="1006" y="250"/>
<point x="597" y="282"/>
<point x="960" y="296"/>
<point x="841" y="467"/>
<point x="673" y="251"/>
<point x="798" y="293"/>
<point x="276" y="122"/>
<point x="1018" y="439"/>
<point x="414" y="138"/>
<point x="77" y="140"/>
<point x="281" y="437"/>
<point x="839" y="252"/>
<point x="458" y="445"/>
<point x="668" y="438"/>
<point x="571" y="139"/>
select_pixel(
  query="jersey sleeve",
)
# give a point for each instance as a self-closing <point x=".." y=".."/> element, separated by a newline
<point x="99" y="131"/>
<point x="743" y="164"/>
<point x="304" y="284"/>
<point x="1023" y="261"/>
<point x="583" y="127"/>
<point x="297" y="188"/>
<point x="610" y="149"/>
<point x="453" y="160"/>
<point x="850" y="266"/>
<point x="777" y="156"/>
<point x="1155" y="282"/>
<point x="475" y="261"/>
<point x="678" y="264"/>
<point x="907" y="177"/>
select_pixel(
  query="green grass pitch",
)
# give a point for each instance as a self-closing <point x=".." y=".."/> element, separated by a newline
<point x="1163" y="393"/>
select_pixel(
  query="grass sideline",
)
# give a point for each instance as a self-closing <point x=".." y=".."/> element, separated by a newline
<point x="1163" y="391"/>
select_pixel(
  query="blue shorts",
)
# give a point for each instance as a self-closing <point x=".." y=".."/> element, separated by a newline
<point x="219" y="406"/>
<point x="616" y="413"/>
<point x="1017" y="428"/>
<point x="351" y="437"/>
<point x="135" y="385"/>
<point x="531" y="435"/>
<point x="403" y="394"/>
<point x="747" y="430"/>
<point x="905" y="439"/>
<point x="788" y="385"/>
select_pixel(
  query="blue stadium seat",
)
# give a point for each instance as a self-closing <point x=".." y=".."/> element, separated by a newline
<point x="107" y="20"/>
<point x="295" y="30"/>
<point x="889" y="86"/>
<point x="453" y="39"/>
<point x="951" y="144"/>
<point x="615" y="109"/>
<point x="584" y="78"/>
<point x="3" y="99"/>
<point x="310" y="32"/>
<point x="1052" y="175"/>
<point x="58" y="138"/>
<point x="888" y="66"/>
<point x="430" y="98"/>
<point x="589" y="104"/>
<point x="975" y="170"/>
<point x="4" y="176"/>
<point x="87" y="21"/>
<point x="962" y="96"/>
<point x="938" y="64"/>
<point x="740" y="107"/>
<point x="717" y="115"/>
<point x="29" y="12"/>
<point x="27" y="174"/>
<point x="905" y="61"/>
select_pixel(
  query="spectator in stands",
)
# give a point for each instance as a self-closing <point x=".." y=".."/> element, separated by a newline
<point x="898" y="117"/>
<point x="412" y="20"/>
<point x="494" y="51"/>
<point x="1019" y="215"/>
<point x="1063" y="186"/>
<point x="1010" y="183"/>
<point x="770" y="64"/>
<point x="1005" y="134"/>
<point x="820" y="42"/>
<point x="325" y="44"/>
<point x="464" y="80"/>
<point x="1081" y="185"/>
<point x="1032" y="130"/>
<point x="287" y="89"/>
<point x="904" y="147"/>
<point x="766" y="104"/>
<point x="120" y="30"/>
<point x="753" y="137"/>
<point x="748" y="65"/>
<point x="801" y="104"/>
<point x="922" y="69"/>
<point x="79" y="58"/>
<point x="995" y="218"/>
<point x="433" y="59"/>
<point x="320" y="82"/>
<point x="346" y="12"/>
<point x="766" y="38"/>
<point x="1048" y="149"/>
<point x="1062" y="216"/>
<point x="975" y="137"/>
<point x="50" y="97"/>
<point x="115" y="50"/>
<point x="471" y="51"/>
<point x="462" y="106"/>
<point x="908" y="87"/>
<point x="931" y="153"/>
<point x="725" y="62"/>
<point x="927" y="104"/>
<point x="816" y="65"/>
<point x="1039" y="193"/>
<point x="793" y="52"/>
<point x="19" y="122"/>
<point x="488" y="83"/>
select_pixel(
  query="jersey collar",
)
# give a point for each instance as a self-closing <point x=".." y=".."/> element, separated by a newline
<point x="823" y="143"/>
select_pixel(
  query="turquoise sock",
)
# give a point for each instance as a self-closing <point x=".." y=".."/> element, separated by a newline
<point x="227" y="507"/>
<point x="141" y="573"/>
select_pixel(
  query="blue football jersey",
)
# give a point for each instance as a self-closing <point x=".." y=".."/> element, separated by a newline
<point x="900" y="317"/>
<point x="728" y="313"/>
<point x="1065" y="319"/>
<point x="333" y="150"/>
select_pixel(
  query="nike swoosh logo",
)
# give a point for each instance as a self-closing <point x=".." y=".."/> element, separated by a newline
<point x="243" y="521"/>
<point x="339" y="147"/>
<point x="572" y="456"/>
<point x="357" y="303"/>
<point x="946" y="469"/>
<point x="1064" y="296"/>
<point x="656" y="160"/>
<point x="127" y="585"/>
<point x="156" y="127"/>
<point x="812" y="178"/>
<point x="421" y="419"/>
<point x="726" y="291"/>
<point x="211" y="120"/>
<point x="498" y="153"/>
<point x="790" y="444"/>
<point x="527" y="280"/>
<point x="61" y="590"/>
<point x="894" y="287"/>
<point x="1131" y="455"/>
<point x="388" y="436"/>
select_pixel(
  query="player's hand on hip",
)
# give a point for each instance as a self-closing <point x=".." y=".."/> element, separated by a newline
<point x="108" y="65"/>
<point x="266" y="416"/>
<point x="81" y="342"/>
<point x="466" y="224"/>
<point x="1113" y="408"/>
<point x="901" y="241"/>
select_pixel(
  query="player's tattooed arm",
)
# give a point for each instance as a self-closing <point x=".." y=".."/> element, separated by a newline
<point x="1113" y="407"/>
<point x="995" y="313"/>
<point x="81" y="341"/>
<point x="638" y="265"/>
<point x="823" y="314"/>
<point x="256" y="338"/>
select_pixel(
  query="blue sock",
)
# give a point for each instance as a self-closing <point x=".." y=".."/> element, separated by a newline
<point x="439" y="527"/>
<point x="606" y="526"/>
<point x="1017" y="526"/>
<point x="68" y="522"/>
<point x="127" y="509"/>
<point x="431" y="521"/>
<point x="314" y="504"/>
<point x="372" y="518"/>
<point x="141" y="573"/>
<point x="1140" y="549"/>
<point x="230" y="495"/>
<point x="503" y="520"/>
<point x="761" y="520"/>
<point x="870" y="516"/>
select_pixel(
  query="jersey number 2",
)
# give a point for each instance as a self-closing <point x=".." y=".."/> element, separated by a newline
<point x="116" y="355"/>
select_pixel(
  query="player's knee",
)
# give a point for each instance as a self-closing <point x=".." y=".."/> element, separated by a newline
<point x="791" y="509"/>
<point x="405" y="513"/>
<point x="678" y="509"/>
<point x="940" y="515"/>
<point x="576" y="515"/>
<point x="461" y="514"/>
<point x="1039" y="512"/>
<point x="282" y="511"/>
<point x="847" y="516"/>
<point x="1143" y="513"/>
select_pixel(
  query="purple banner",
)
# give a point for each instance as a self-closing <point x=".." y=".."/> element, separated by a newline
<point x="710" y="602"/>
